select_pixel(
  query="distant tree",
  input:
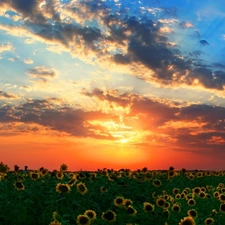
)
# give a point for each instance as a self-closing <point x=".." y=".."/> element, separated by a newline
<point x="171" y="168"/>
<point x="16" y="168"/>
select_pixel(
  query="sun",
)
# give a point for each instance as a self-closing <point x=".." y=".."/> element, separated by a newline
<point x="123" y="141"/>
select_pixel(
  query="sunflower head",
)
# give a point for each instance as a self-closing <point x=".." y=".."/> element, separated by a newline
<point x="127" y="202"/>
<point x="209" y="221"/>
<point x="222" y="207"/>
<point x="63" y="188"/>
<point x="109" y="216"/>
<point x="193" y="213"/>
<point x="157" y="183"/>
<point x="91" y="214"/>
<point x="131" y="211"/>
<point x="63" y="168"/>
<point x="72" y="181"/>
<point x="82" y="188"/>
<point x="176" y="208"/>
<point x="176" y="191"/>
<point x="160" y="202"/>
<point x="191" y="202"/>
<point x="166" y="213"/>
<point x="83" y="220"/>
<point x="119" y="201"/>
<point x="34" y="175"/>
<point x="187" y="221"/>
<point x="19" y="186"/>
<point x="60" y="175"/>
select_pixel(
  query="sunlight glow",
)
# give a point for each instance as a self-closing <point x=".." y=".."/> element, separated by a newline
<point x="123" y="141"/>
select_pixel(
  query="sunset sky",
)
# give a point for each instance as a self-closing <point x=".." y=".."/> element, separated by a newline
<point x="112" y="83"/>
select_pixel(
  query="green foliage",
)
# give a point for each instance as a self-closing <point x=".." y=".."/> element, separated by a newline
<point x="39" y="199"/>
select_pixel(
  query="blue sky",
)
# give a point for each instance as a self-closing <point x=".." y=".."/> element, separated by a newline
<point x="144" y="74"/>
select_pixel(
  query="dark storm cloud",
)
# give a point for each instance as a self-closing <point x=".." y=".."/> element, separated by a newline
<point x="28" y="9"/>
<point x="122" y="59"/>
<point x="62" y="119"/>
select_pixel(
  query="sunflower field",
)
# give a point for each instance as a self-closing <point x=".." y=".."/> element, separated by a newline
<point x="107" y="196"/>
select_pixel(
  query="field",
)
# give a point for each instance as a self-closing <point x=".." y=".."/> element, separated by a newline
<point x="108" y="196"/>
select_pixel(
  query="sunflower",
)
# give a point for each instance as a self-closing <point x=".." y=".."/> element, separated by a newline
<point x="91" y="214"/>
<point x="202" y="194"/>
<point x="176" y="208"/>
<point x="63" y="168"/>
<point x="222" y="197"/>
<point x="82" y="188"/>
<point x="167" y="205"/>
<point x="81" y="176"/>
<point x="63" y="188"/>
<point x="160" y="202"/>
<point x="222" y="207"/>
<point x="220" y="185"/>
<point x="178" y="196"/>
<point x="191" y="202"/>
<point x="154" y="195"/>
<point x="72" y="181"/>
<point x="119" y="201"/>
<point x="157" y="183"/>
<point x="191" y="177"/>
<point x="44" y="172"/>
<point x="166" y="213"/>
<point x="148" y="207"/>
<point x="131" y="211"/>
<point x="127" y="202"/>
<point x="145" y="170"/>
<point x="193" y="213"/>
<point x="187" y="221"/>
<point x="83" y="220"/>
<point x="176" y="191"/>
<point x="203" y="189"/>
<point x="34" y="175"/>
<point x="19" y="186"/>
<point x="209" y="221"/>
<point x="103" y="189"/>
<point x="196" y="190"/>
<point x="60" y="175"/>
<point x="109" y="216"/>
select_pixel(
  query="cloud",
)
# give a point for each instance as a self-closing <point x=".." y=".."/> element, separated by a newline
<point x="7" y="95"/>
<point x="60" y="118"/>
<point x="98" y="34"/>
<point x="204" y="42"/>
<point x="28" y="61"/>
<point x="186" y="24"/>
<point x="42" y="73"/>
<point x="6" y="47"/>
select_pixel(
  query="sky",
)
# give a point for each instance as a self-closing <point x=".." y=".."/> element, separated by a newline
<point x="112" y="84"/>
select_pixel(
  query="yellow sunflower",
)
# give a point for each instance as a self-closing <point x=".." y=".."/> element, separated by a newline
<point x="91" y="214"/>
<point x="109" y="216"/>
<point x="19" y="186"/>
<point x="82" y="188"/>
<point x="63" y="188"/>
<point x="83" y="220"/>
<point x="187" y="221"/>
